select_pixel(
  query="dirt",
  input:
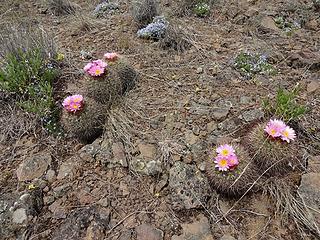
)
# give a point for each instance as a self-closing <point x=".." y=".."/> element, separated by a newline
<point x="170" y="107"/>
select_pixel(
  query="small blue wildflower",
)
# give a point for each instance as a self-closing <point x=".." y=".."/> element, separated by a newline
<point x="155" y="30"/>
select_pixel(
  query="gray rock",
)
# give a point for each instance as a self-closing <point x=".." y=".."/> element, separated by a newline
<point x="34" y="167"/>
<point x="61" y="190"/>
<point x="268" y="24"/>
<point x="69" y="168"/>
<point x="219" y="113"/>
<point x="197" y="230"/>
<point x="6" y="203"/>
<point x="146" y="162"/>
<point x="309" y="190"/>
<point x="112" y="154"/>
<point x="19" y="216"/>
<point x="58" y="211"/>
<point x="199" y="70"/>
<point x="85" y="55"/>
<point x="51" y="176"/>
<point x="221" y="109"/>
<point x="16" y="212"/>
<point x="79" y="224"/>
<point x="199" y="109"/>
<point x="252" y="115"/>
<point x="189" y="188"/>
<point x="147" y="232"/>
<point x="146" y="167"/>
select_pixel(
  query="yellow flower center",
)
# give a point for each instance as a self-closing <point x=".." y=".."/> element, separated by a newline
<point x="98" y="72"/>
<point x="75" y="106"/>
<point x="224" y="162"/>
<point x="273" y="131"/>
<point x="224" y="152"/>
<point x="285" y="133"/>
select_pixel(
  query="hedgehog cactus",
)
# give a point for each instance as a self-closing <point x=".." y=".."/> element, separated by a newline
<point x="236" y="181"/>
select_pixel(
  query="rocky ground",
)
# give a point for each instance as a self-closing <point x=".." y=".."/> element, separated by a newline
<point x="144" y="178"/>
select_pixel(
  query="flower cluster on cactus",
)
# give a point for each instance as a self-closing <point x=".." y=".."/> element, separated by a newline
<point x="95" y="68"/>
<point x="226" y="158"/>
<point x="111" y="57"/>
<point x="73" y="103"/>
<point x="278" y="129"/>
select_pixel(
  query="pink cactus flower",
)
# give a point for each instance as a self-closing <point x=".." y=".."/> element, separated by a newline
<point x="233" y="161"/>
<point x="288" y="134"/>
<point x="111" y="57"/>
<point x="95" y="68"/>
<point x="73" y="103"/>
<point x="275" y="127"/>
<point x="225" y="150"/>
<point x="100" y="63"/>
<point x="96" y="71"/>
<point x="221" y="163"/>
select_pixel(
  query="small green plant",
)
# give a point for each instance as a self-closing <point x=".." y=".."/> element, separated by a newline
<point x="251" y="64"/>
<point x="201" y="9"/>
<point x="29" y="76"/>
<point x="286" y="25"/>
<point x="285" y="105"/>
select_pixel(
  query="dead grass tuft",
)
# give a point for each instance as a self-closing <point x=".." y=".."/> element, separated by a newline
<point x="175" y="38"/>
<point x="144" y="11"/>
<point x="14" y="123"/>
<point x="83" y="23"/>
<point x="290" y="205"/>
<point x="13" y="39"/>
<point x="61" y="7"/>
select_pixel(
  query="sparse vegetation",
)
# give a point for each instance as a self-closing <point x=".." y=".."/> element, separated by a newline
<point x="251" y="64"/>
<point x="287" y="26"/>
<point x="29" y="67"/>
<point x="201" y="9"/>
<point x="285" y="105"/>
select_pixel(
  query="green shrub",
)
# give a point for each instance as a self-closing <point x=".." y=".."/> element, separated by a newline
<point x="28" y="75"/>
<point x="201" y="9"/>
<point x="286" y="24"/>
<point x="28" y="69"/>
<point x="285" y="105"/>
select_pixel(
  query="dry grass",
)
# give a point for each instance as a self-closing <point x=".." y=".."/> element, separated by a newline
<point x="14" y="123"/>
<point x="144" y="11"/>
<point x="290" y="205"/>
<point x="82" y="23"/>
<point x="61" y="7"/>
<point x="16" y="38"/>
<point x="175" y="38"/>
